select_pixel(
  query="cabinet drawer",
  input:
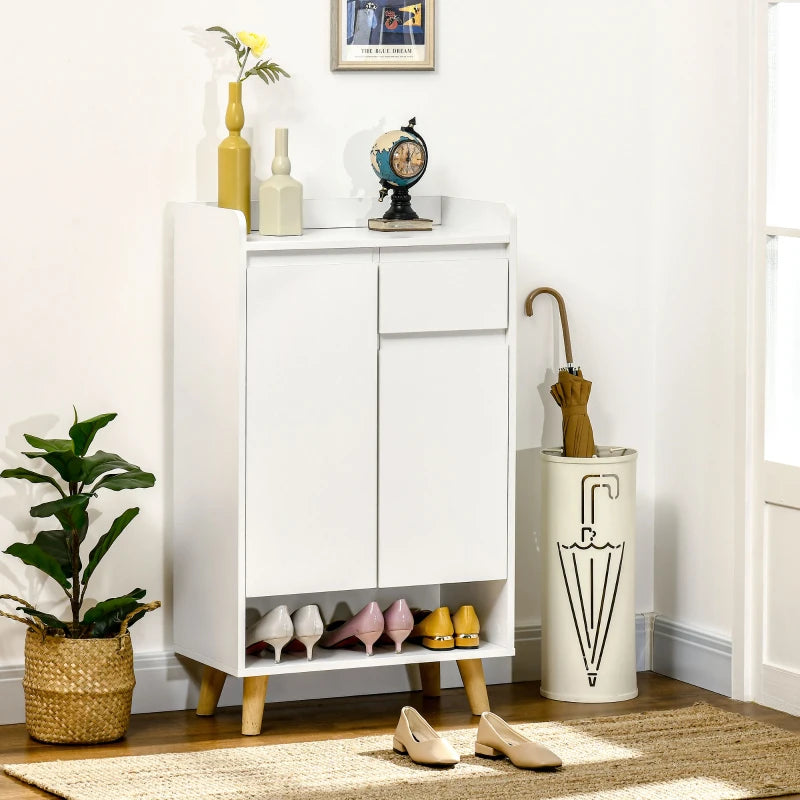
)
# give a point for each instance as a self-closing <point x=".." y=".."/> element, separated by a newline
<point x="463" y="295"/>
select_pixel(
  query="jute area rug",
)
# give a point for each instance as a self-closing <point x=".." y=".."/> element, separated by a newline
<point x="698" y="752"/>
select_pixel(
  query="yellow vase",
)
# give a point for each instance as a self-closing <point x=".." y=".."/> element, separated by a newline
<point x="233" y="183"/>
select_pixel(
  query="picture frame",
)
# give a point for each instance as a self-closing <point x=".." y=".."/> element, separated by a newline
<point x="382" y="35"/>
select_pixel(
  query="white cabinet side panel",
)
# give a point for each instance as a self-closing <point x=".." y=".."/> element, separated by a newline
<point x="311" y="428"/>
<point x="208" y="411"/>
<point x="443" y="459"/>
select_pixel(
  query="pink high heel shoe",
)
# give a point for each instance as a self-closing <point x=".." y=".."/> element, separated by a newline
<point x="366" y="626"/>
<point x="398" y="621"/>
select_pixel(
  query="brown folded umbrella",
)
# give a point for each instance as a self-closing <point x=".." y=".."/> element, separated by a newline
<point x="572" y="394"/>
<point x="572" y="390"/>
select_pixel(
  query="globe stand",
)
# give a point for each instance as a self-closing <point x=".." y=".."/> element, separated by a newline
<point x="400" y="216"/>
<point x="401" y="205"/>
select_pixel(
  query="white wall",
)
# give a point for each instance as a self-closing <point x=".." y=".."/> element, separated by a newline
<point x="111" y="114"/>
<point x="698" y="251"/>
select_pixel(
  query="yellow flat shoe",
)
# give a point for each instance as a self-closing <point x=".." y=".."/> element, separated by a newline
<point x="415" y="738"/>
<point x="497" y="739"/>
<point x="433" y="629"/>
<point x="466" y="628"/>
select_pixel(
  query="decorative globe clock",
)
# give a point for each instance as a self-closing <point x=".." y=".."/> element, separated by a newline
<point x="399" y="159"/>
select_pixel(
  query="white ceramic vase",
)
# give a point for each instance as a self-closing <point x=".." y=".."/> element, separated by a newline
<point x="281" y="196"/>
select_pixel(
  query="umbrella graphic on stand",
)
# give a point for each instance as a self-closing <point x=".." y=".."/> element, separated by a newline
<point x="572" y="390"/>
<point x="591" y="575"/>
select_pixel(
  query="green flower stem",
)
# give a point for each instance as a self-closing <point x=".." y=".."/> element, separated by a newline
<point x="244" y="61"/>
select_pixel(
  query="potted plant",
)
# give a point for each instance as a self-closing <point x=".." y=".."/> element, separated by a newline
<point x="78" y="672"/>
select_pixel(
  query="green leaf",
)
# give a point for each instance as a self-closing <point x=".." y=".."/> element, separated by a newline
<point x="268" y="71"/>
<point x="100" y="463"/>
<point x="47" y="619"/>
<point x="28" y="475"/>
<point x="106" y="540"/>
<point x="274" y="67"/>
<point x="66" y="464"/>
<point x="230" y="39"/>
<point x="110" y="625"/>
<point x="132" y="479"/>
<point x="57" y="545"/>
<point x="34" y="556"/>
<point x="69" y="511"/>
<point x="82" y="433"/>
<point x="113" y="603"/>
<point x="50" y="445"/>
<point x="106" y="617"/>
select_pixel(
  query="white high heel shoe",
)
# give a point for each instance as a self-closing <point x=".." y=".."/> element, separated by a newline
<point x="308" y="627"/>
<point x="274" y="629"/>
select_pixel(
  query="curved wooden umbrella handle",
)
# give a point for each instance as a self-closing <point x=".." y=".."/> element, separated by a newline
<point x="562" y="310"/>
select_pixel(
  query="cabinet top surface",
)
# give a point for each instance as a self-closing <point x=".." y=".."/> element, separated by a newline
<point x="342" y="224"/>
<point x="323" y="239"/>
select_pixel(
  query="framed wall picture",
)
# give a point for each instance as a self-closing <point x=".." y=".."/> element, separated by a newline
<point x="382" y="34"/>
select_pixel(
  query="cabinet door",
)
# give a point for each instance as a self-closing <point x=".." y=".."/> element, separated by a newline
<point x="311" y="428"/>
<point x="443" y="459"/>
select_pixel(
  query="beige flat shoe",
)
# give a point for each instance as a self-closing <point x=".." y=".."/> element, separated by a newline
<point x="497" y="739"/>
<point x="415" y="738"/>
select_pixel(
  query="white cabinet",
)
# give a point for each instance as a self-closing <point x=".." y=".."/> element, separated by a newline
<point x="344" y="431"/>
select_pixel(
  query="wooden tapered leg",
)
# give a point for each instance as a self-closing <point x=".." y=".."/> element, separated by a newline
<point x="474" y="684"/>
<point x="430" y="675"/>
<point x="210" y="690"/>
<point x="254" y="694"/>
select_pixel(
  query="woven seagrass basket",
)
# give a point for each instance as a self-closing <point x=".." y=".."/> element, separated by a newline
<point x="77" y="691"/>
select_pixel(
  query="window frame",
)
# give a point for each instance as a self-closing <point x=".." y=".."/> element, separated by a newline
<point x="762" y="481"/>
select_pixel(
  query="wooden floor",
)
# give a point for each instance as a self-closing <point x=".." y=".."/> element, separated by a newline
<point x="180" y="731"/>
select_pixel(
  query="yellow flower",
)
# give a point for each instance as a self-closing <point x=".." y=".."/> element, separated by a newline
<point x="254" y="41"/>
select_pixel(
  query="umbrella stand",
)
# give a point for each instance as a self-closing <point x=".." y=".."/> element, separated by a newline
<point x="588" y="531"/>
<point x="587" y="539"/>
<point x="562" y="310"/>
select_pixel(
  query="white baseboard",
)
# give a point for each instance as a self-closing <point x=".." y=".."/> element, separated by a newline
<point x="12" y="701"/>
<point x="165" y="682"/>
<point x="777" y="684"/>
<point x="693" y="656"/>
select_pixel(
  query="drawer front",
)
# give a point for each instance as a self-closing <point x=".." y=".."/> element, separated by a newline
<point x="463" y="295"/>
